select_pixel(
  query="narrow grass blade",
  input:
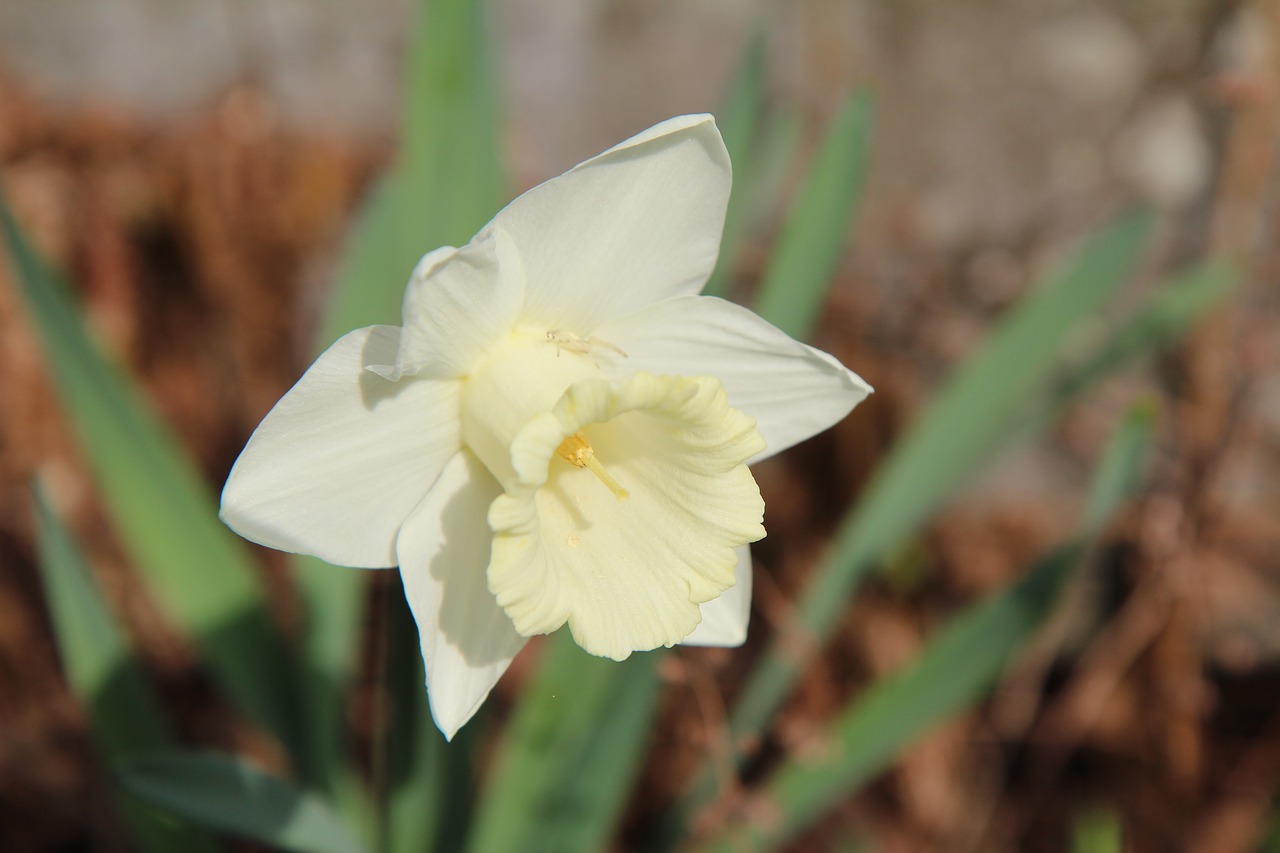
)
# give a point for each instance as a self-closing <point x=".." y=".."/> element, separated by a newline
<point x="796" y="281"/>
<point x="226" y="794"/>
<point x="430" y="783"/>
<point x="739" y="122"/>
<point x="964" y="425"/>
<point x="1120" y="472"/>
<point x="158" y="501"/>
<point x="569" y="755"/>
<point x="333" y="600"/>
<point x="772" y="157"/>
<point x="1164" y="318"/>
<point x="744" y="106"/>
<point x="949" y="676"/>
<point x="1120" y="469"/>
<point x="756" y="186"/>
<point x="377" y="261"/>
<point x="1097" y="832"/>
<point x="1271" y="841"/>
<point x="106" y="678"/>
<point x="447" y="180"/>
<point x="955" y="670"/>
<point x="446" y="183"/>
<point x="450" y="118"/>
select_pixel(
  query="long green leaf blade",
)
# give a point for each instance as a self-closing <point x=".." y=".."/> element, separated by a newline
<point x="157" y="500"/>
<point x="1120" y="469"/>
<point x="1271" y="841"/>
<point x="333" y="600"/>
<point x="964" y="425"/>
<point x="1097" y="831"/>
<point x="430" y="783"/>
<point x="384" y="245"/>
<point x="1177" y="304"/>
<point x="570" y="754"/>
<point x="103" y="673"/>
<point x="446" y="182"/>
<point x="739" y="122"/>
<point x="952" y="673"/>
<point x="229" y="795"/>
<point x="796" y="281"/>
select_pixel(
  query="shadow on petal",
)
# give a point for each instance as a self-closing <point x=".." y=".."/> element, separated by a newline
<point x="468" y="617"/>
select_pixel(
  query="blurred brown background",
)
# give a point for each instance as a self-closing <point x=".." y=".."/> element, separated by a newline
<point x="194" y="167"/>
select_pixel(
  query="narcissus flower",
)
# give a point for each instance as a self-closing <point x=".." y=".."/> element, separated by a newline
<point x="559" y="432"/>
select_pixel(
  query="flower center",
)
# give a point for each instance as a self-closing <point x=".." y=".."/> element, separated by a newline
<point x="523" y="377"/>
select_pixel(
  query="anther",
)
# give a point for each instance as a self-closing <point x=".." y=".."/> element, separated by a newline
<point x="582" y="346"/>
<point x="578" y="452"/>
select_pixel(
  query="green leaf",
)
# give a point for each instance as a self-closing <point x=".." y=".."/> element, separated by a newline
<point x="227" y="794"/>
<point x="956" y="669"/>
<point x="739" y="122"/>
<point x="333" y="600"/>
<point x="796" y="281"/>
<point x="772" y="157"/>
<point x="1176" y="305"/>
<point x="964" y="425"/>
<point x="1097" y="832"/>
<point x="377" y="262"/>
<point x="95" y="654"/>
<point x="1120" y="469"/>
<point x="447" y="181"/>
<point x="104" y="675"/>
<point x="158" y="501"/>
<point x="974" y="415"/>
<point x="569" y="756"/>
<point x="756" y="187"/>
<point x="431" y="783"/>
<point x="1271" y="840"/>
<point x="951" y="674"/>
<point x="744" y="106"/>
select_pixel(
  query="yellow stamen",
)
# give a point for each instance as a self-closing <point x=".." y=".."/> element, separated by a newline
<point x="577" y="452"/>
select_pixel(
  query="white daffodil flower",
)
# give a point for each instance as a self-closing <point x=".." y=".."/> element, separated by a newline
<point x="559" y="432"/>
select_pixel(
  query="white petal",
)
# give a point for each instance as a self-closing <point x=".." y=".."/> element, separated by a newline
<point x="792" y="390"/>
<point x="467" y="640"/>
<point x="626" y="563"/>
<point x="724" y="619"/>
<point x="639" y="223"/>
<point x="344" y="457"/>
<point x="459" y="302"/>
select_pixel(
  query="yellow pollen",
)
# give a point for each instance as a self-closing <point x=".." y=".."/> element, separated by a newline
<point x="577" y="452"/>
